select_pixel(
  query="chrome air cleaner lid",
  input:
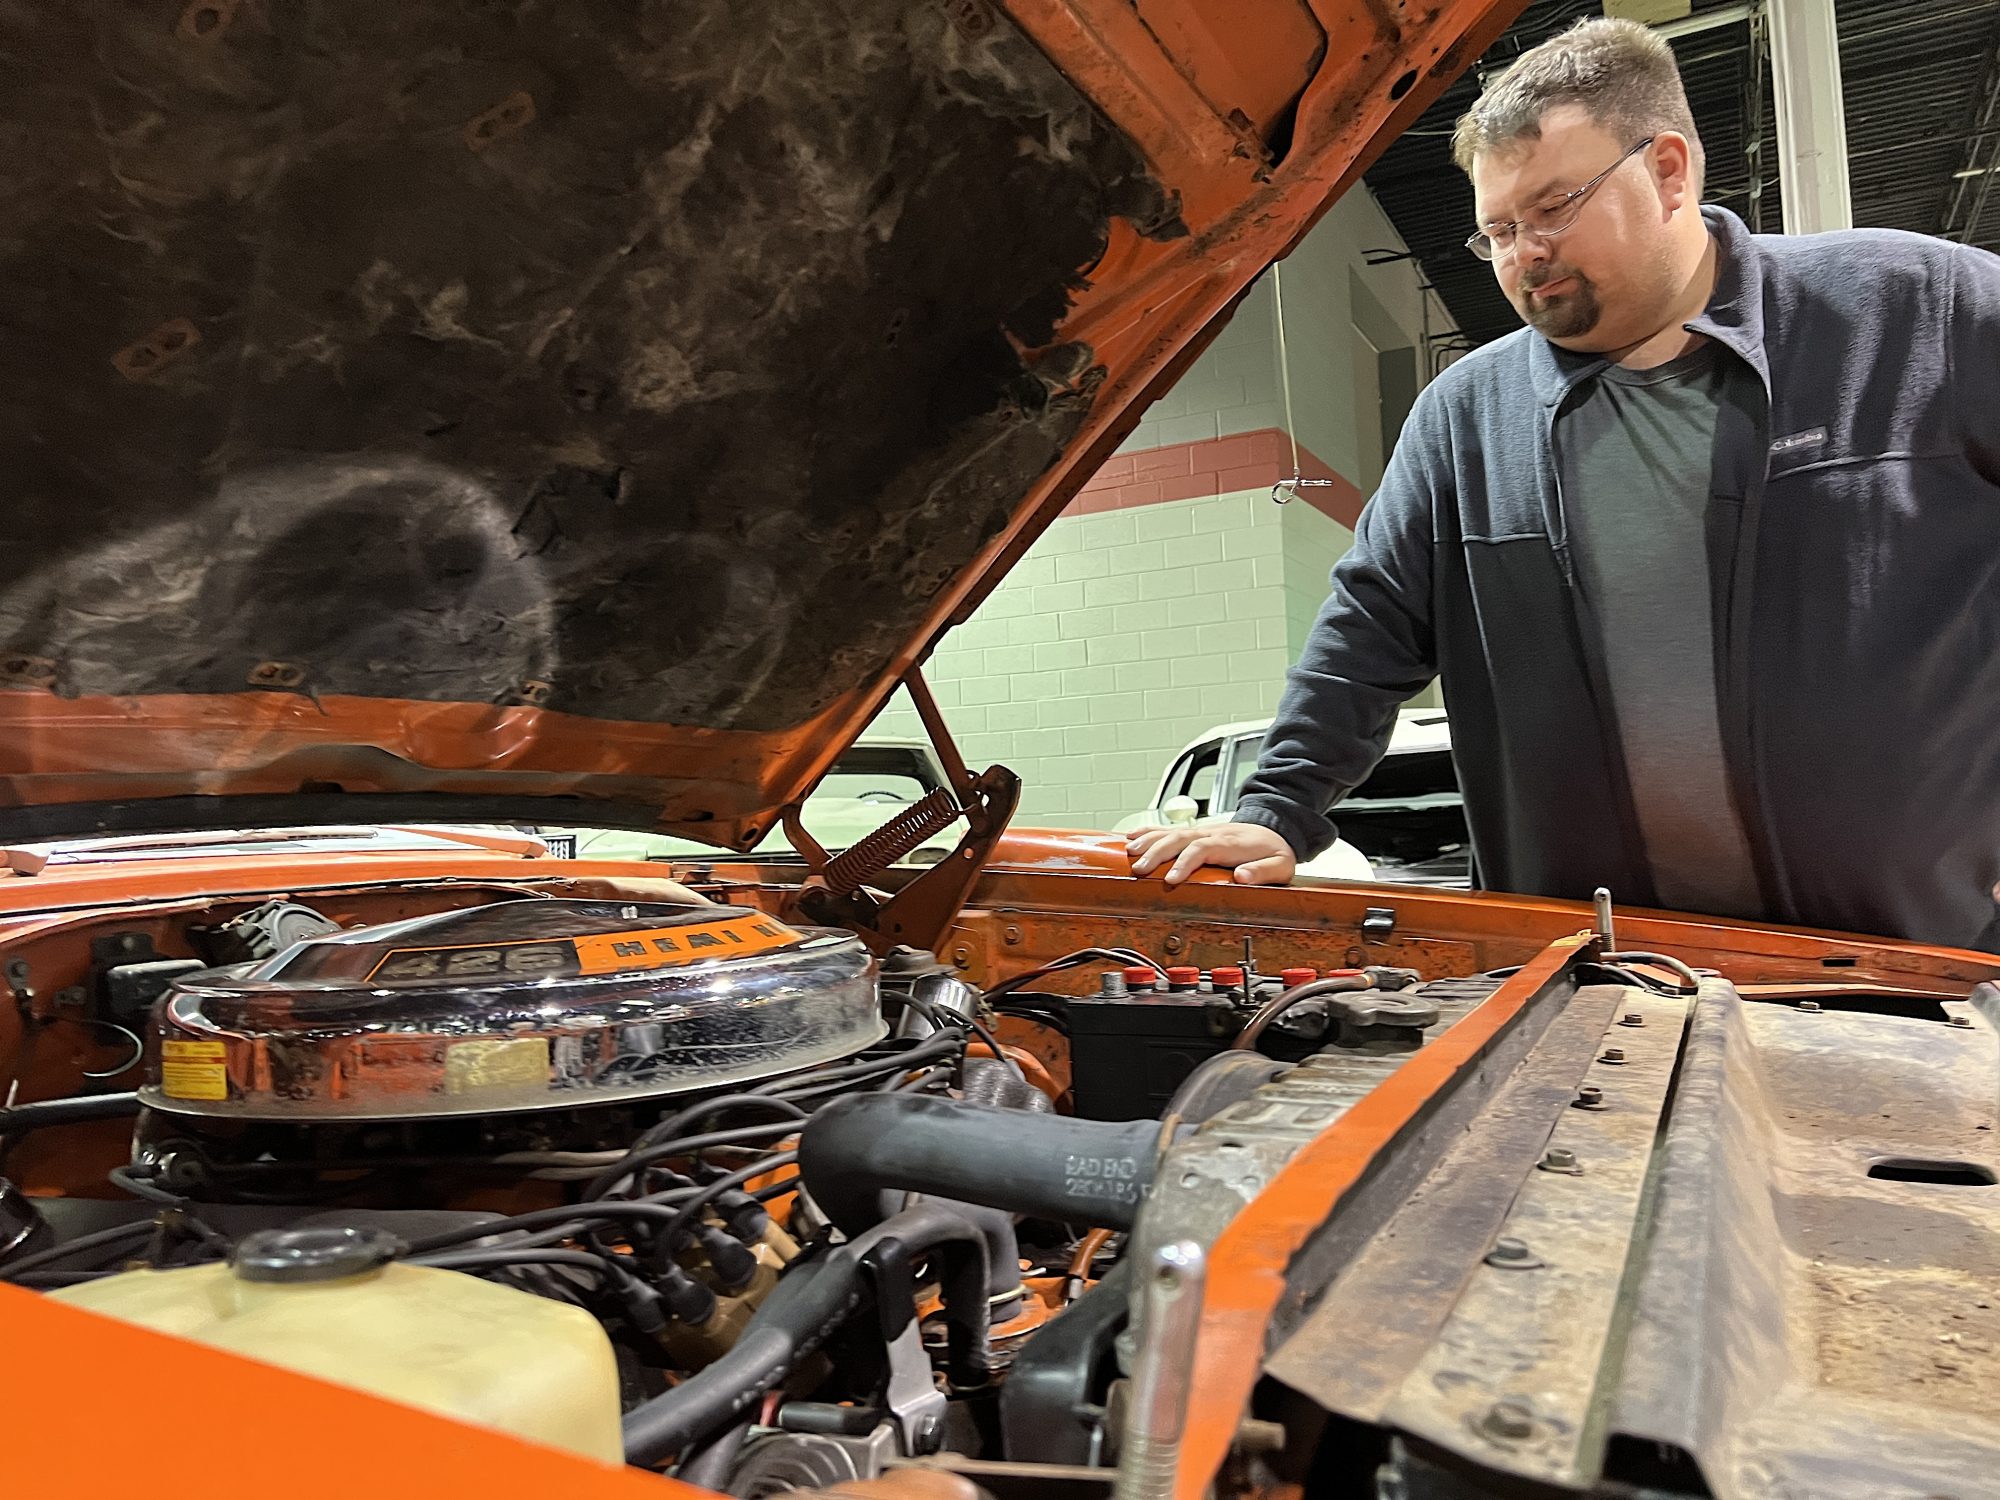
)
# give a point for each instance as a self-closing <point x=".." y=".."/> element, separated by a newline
<point x="516" y="1006"/>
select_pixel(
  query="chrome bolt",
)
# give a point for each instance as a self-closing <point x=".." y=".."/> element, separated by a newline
<point x="1810" y="1007"/>
<point x="1512" y="1420"/>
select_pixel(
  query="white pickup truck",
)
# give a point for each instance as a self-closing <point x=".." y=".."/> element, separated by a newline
<point x="1405" y="823"/>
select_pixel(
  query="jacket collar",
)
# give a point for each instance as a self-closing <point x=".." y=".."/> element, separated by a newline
<point x="1734" y="317"/>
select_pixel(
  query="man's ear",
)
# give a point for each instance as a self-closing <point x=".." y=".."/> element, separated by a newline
<point x="1673" y="169"/>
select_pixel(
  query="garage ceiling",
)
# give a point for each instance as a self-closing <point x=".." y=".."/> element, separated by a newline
<point x="1922" y="85"/>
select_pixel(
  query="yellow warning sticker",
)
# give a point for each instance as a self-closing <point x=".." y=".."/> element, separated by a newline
<point x="663" y="947"/>
<point x="473" y="1067"/>
<point x="194" y="1070"/>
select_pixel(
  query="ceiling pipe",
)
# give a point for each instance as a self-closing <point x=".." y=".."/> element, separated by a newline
<point x="1812" y="118"/>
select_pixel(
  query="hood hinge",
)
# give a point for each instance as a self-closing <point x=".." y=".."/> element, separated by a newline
<point x="837" y="892"/>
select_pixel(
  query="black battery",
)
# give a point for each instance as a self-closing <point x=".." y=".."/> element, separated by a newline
<point x="1128" y="1053"/>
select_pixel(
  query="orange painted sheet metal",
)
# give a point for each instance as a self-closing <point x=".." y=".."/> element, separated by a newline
<point x="1246" y="1267"/>
<point x="227" y="1428"/>
<point x="1037" y="870"/>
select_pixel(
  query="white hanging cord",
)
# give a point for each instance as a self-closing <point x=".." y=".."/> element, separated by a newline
<point x="1286" y="490"/>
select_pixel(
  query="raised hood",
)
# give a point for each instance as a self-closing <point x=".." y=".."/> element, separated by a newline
<point x="593" y="408"/>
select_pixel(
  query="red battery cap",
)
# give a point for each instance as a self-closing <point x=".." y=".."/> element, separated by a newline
<point x="1228" y="976"/>
<point x="1139" y="978"/>
<point x="1186" y="976"/>
<point x="1293" y="978"/>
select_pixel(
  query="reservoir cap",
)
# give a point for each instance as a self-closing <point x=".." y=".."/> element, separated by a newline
<point x="324" y="1254"/>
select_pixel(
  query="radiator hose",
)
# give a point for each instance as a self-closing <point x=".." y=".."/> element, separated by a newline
<point x="1049" y="1166"/>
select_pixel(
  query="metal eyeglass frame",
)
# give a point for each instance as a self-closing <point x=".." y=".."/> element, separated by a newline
<point x="1547" y="220"/>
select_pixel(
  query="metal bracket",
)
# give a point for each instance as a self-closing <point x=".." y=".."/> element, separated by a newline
<point x="919" y="914"/>
<point x="916" y="1406"/>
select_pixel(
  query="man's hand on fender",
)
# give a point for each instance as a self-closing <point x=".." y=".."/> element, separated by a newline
<point x="1259" y="855"/>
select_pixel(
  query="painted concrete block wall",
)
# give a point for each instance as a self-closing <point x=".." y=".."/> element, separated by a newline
<point x="1313" y="544"/>
<point x="1116" y="640"/>
<point x="1233" y="387"/>
<point x="1174" y="594"/>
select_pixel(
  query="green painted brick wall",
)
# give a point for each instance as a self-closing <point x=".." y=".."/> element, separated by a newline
<point x="1115" y="641"/>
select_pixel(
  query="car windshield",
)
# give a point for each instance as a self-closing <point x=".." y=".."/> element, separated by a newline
<point x="866" y="787"/>
<point x="1400" y="776"/>
<point x="880" y="773"/>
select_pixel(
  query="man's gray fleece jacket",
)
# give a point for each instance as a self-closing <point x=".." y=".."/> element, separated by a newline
<point x="1855" y="548"/>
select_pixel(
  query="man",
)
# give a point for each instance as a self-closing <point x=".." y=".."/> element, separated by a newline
<point x="1707" y="555"/>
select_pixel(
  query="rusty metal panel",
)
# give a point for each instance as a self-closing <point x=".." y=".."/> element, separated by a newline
<point x="1765" y="1267"/>
<point x="1516" y="1365"/>
<point x="1803" y="1327"/>
<point x="1368" y="1331"/>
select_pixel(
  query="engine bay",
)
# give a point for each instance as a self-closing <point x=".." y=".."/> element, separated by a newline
<point x="820" y="1213"/>
<point x="681" y="1177"/>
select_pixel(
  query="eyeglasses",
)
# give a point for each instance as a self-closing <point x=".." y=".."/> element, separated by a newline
<point x="1544" y="219"/>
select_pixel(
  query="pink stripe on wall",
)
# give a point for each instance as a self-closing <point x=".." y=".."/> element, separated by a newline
<point x="1220" y="466"/>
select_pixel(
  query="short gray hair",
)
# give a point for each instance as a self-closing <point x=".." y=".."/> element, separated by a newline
<point x="1622" y="74"/>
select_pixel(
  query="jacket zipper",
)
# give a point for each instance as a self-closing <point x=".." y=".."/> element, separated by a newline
<point x="1597" y="678"/>
<point x="1735" y="706"/>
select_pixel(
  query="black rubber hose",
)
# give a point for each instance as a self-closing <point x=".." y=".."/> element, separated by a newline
<point x="103" y="1239"/>
<point x="43" y="1113"/>
<point x="812" y="1300"/>
<point x="709" y="1469"/>
<point x="1312" y="989"/>
<point x="1051" y="1166"/>
<point x="1003" y="1253"/>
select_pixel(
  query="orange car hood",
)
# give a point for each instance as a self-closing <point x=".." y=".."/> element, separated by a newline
<point x="591" y="411"/>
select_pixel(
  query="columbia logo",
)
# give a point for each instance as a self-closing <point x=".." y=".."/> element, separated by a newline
<point x="1812" y="437"/>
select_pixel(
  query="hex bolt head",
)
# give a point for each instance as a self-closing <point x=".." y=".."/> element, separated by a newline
<point x="1961" y="1021"/>
<point x="1559" y="1159"/>
<point x="1810" y="1007"/>
<point x="1613" y="1055"/>
<point x="1013" y="934"/>
<point x="1590" y="1096"/>
<point x="1512" y="1420"/>
<point x="1632" y="1018"/>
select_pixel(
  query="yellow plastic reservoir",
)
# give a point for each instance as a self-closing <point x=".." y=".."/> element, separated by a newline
<point x="328" y="1303"/>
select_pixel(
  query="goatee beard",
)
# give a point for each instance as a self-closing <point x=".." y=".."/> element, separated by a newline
<point x="1570" y="315"/>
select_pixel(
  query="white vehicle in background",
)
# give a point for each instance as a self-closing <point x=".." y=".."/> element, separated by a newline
<point x="1405" y="823"/>
<point x="867" y="786"/>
